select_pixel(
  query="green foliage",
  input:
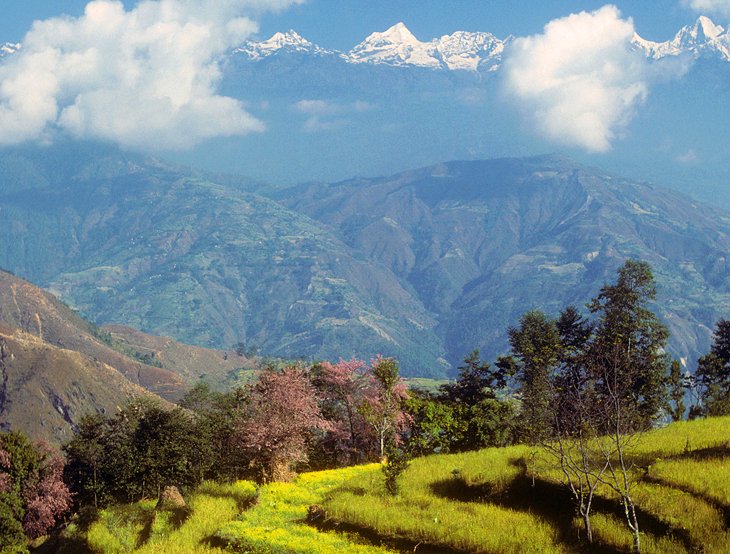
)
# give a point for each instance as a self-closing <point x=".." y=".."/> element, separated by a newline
<point x="474" y="383"/>
<point x="137" y="453"/>
<point x="382" y="408"/>
<point x="32" y="495"/>
<point x="12" y="536"/>
<point x="434" y="426"/>
<point x="676" y="385"/>
<point x="626" y="355"/>
<point x="536" y="345"/>
<point x="395" y="463"/>
<point x="713" y="372"/>
<point x="466" y="415"/>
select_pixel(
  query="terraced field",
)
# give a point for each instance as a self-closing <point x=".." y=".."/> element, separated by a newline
<point x="497" y="500"/>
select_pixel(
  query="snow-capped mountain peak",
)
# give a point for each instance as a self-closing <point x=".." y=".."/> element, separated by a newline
<point x="398" y="33"/>
<point x="460" y="50"/>
<point x="704" y="29"/>
<point x="395" y="46"/>
<point x="291" y="41"/>
<point x="705" y="37"/>
<point x="470" y="51"/>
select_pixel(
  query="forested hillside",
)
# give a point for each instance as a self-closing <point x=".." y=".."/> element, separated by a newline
<point x="424" y="265"/>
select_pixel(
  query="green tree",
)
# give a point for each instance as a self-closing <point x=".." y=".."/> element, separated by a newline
<point x="136" y="453"/>
<point x="33" y="496"/>
<point x="480" y="417"/>
<point x="537" y="349"/>
<point x="434" y="424"/>
<point x="676" y="384"/>
<point x="713" y="373"/>
<point x="215" y="413"/>
<point x="589" y="388"/>
<point x="627" y="367"/>
<point x="383" y="402"/>
<point x="473" y="384"/>
<point x="627" y="354"/>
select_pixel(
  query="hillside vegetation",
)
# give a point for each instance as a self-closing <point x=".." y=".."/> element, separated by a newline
<point x="423" y="266"/>
<point x="473" y="502"/>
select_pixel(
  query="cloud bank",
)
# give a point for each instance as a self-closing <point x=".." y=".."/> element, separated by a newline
<point x="714" y="7"/>
<point x="579" y="82"/>
<point x="143" y="78"/>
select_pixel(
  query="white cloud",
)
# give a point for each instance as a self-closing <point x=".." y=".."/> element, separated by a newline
<point x="689" y="157"/>
<point x="579" y="82"/>
<point x="143" y="78"/>
<point x="317" y="107"/>
<point x="324" y="115"/>
<point x="714" y="7"/>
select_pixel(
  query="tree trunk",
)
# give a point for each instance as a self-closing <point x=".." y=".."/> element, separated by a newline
<point x="630" y="511"/>
<point x="587" y="526"/>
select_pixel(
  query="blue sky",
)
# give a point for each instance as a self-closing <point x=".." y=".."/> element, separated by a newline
<point x="343" y="23"/>
<point x="120" y="76"/>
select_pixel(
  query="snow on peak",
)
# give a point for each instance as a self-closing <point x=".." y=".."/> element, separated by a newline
<point x="460" y="50"/>
<point x="703" y="38"/>
<point x="465" y="50"/>
<point x="291" y="41"/>
<point x="706" y="28"/>
<point x="474" y="51"/>
<point x="398" y="33"/>
<point x="395" y="46"/>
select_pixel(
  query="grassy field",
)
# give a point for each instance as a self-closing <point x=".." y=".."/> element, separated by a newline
<point x="497" y="500"/>
<point x="222" y="518"/>
<point x="486" y="501"/>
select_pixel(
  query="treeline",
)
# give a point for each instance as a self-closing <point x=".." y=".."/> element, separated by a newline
<point x="576" y="386"/>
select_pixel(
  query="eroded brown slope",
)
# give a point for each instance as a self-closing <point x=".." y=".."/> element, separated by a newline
<point x="34" y="311"/>
<point x="45" y="389"/>
<point x="192" y="363"/>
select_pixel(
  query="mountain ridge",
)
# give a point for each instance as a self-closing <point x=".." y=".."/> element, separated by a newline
<point x="423" y="265"/>
<point x="543" y="232"/>
<point x="461" y="50"/>
<point x="476" y="51"/>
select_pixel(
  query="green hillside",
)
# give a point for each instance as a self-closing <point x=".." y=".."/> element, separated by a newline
<point x="473" y="502"/>
<point x="424" y="265"/>
<point x="166" y="251"/>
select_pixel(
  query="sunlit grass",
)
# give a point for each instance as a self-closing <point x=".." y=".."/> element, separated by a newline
<point x="612" y="531"/>
<point x="709" y="478"/>
<point x="118" y="528"/>
<point x="683" y="437"/>
<point x="421" y="515"/>
<point x="277" y="523"/>
<point x="681" y="482"/>
<point x="122" y="529"/>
